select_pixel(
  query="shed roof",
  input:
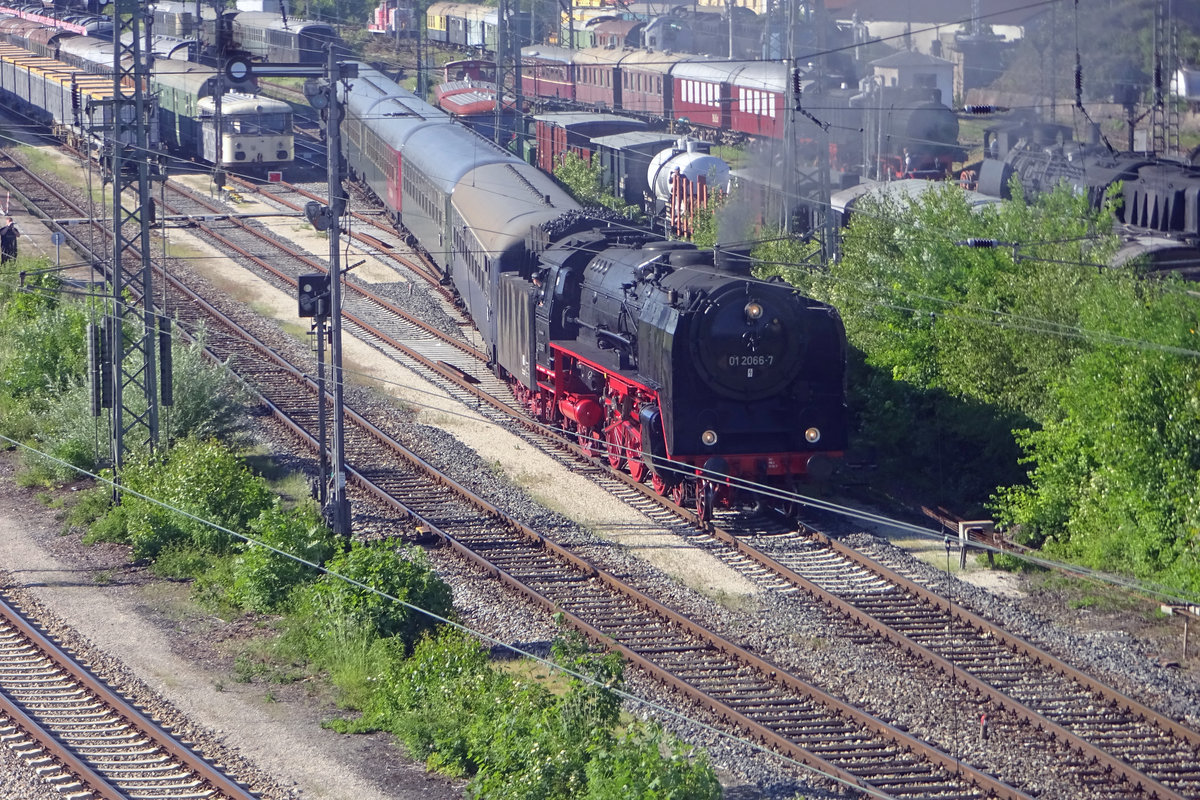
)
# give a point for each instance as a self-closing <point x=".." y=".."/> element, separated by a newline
<point x="911" y="58"/>
<point x="619" y="141"/>
<point x="943" y="12"/>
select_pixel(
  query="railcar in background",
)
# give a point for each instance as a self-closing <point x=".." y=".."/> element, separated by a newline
<point x="256" y="132"/>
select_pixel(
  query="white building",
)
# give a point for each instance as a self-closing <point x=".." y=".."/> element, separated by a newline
<point x="910" y="70"/>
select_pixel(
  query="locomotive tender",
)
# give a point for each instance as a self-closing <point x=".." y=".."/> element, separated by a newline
<point x="1158" y="195"/>
<point x="672" y="362"/>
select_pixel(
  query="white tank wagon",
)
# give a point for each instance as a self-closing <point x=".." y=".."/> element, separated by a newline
<point x="683" y="178"/>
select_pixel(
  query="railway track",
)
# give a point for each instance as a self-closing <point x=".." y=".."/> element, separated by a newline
<point x="795" y="717"/>
<point x="1099" y="725"/>
<point x="84" y="739"/>
<point x="766" y="707"/>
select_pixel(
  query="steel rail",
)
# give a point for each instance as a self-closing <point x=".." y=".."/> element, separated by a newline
<point x="129" y="713"/>
<point x="958" y="673"/>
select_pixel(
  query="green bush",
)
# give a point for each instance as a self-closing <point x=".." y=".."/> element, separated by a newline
<point x="539" y="745"/>
<point x="195" y="490"/>
<point x="402" y="573"/>
<point x="210" y="400"/>
<point x="422" y="699"/>
<point x="73" y="438"/>
<point x="90" y="505"/>
<point x="450" y="707"/>
<point x="634" y="766"/>
<point x="520" y="753"/>
<point x="42" y="354"/>
<point x="183" y="562"/>
<point x="41" y="350"/>
<point x="262" y="578"/>
<point x="584" y="180"/>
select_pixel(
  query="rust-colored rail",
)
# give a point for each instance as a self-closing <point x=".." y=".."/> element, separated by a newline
<point x="47" y="694"/>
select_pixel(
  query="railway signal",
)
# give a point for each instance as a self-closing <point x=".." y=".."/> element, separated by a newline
<point x="314" y="295"/>
<point x="321" y="91"/>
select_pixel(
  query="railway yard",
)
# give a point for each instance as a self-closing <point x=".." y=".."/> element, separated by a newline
<point x="885" y="673"/>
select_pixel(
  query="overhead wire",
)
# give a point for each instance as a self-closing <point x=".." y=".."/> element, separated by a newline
<point x="361" y="584"/>
<point x="477" y="634"/>
<point x="773" y="492"/>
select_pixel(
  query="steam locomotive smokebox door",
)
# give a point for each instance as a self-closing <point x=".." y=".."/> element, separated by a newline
<point x="514" y="327"/>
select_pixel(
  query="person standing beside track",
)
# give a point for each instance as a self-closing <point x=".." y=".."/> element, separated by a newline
<point x="8" y="240"/>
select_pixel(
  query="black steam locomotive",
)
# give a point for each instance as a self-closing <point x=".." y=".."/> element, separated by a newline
<point x="673" y="363"/>
<point x="1158" y="196"/>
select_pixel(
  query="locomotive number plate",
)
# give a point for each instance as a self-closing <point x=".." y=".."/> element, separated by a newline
<point x="751" y="361"/>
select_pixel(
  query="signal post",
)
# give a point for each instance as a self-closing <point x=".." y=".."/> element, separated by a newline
<point x="321" y="91"/>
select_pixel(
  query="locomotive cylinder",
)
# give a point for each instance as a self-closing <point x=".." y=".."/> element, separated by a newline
<point x="584" y="411"/>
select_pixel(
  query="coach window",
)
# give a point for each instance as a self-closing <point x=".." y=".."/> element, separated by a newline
<point x="274" y="123"/>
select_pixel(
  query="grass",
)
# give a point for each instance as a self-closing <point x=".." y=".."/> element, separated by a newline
<point x="365" y="375"/>
<point x="528" y="670"/>
<point x="262" y="309"/>
<point x="171" y="600"/>
<point x="295" y="330"/>
<point x="290" y="485"/>
<point x="731" y="601"/>
<point x="182" y="563"/>
<point x="41" y="162"/>
<point x="1085" y="594"/>
<point x="262" y="658"/>
<point x="734" y="156"/>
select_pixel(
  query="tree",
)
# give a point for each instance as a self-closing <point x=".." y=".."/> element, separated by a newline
<point x="1116" y="46"/>
<point x="1113" y="474"/>
<point x="1094" y="369"/>
<point x="583" y="178"/>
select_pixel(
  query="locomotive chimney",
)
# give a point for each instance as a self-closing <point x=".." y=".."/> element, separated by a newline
<point x="730" y="259"/>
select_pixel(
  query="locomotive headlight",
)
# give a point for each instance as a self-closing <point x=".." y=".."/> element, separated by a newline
<point x="754" y="311"/>
<point x="709" y="438"/>
<point x="812" y="435"/>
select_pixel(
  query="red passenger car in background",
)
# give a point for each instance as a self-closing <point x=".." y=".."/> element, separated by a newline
<point x="757" y="101"/>
<point x="700" y="92"/>
<point x="646" y="81"/>
<point x="596" y="82"/>
<point x="547" y="72"/>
